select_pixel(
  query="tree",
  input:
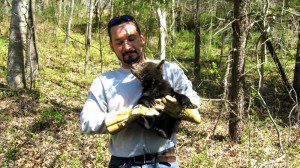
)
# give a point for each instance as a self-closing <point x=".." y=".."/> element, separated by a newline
<point x="132" y="10"/>
<point x="43" y="4"/>
<point x="31" y="47"/>
<point x="162" y="15"/>
<point x="236" y="90"/>
<point x="149" y="32"/>
<point x="296" y="82"/>
<point x="64" y="8"/>
<point x="197" y="43"/>
<point x="69" y="24"/>
<point x="262" y="55"/>
<point x="173" y="26"/>
<point x="59" y="5"/>
<point x="261" y="60"/>
<point x="275" y="58"/>
<point x="15" y="61"/>
<point x="100" y="36"/>
<point x="179" y="17"/>
<point x="111" y="9"/>
<point x="88" y="36"/>
<point x="96" y="12"/>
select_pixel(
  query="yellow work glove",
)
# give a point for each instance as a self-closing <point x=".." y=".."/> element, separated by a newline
<point x="117" y="121"/>
<point x="170" y="106"/>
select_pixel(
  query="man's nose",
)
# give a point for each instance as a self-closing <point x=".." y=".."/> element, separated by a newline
<point x="127" y="45"/>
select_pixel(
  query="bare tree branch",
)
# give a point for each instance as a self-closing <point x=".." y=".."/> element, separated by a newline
<point x="225" y="27"/>
<point x="273" y="121"/>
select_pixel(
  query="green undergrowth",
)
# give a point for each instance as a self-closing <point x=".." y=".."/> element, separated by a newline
<point x="41" y="127"/>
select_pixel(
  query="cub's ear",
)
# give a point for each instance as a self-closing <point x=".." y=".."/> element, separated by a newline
<point x="160" y="66"/>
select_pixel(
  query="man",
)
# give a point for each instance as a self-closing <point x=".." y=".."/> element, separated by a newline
<point x="111" y="106"/>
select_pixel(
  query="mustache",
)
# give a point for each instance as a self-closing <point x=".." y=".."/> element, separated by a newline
<point x="129" y="52"/>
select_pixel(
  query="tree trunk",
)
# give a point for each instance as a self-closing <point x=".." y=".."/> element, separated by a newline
<point x="197" y="44"/>
<point x="179" y="18"/>
<point x="209" y="48"/>
<point x="276" y="60"/>
<point x="224" y="34"/>
<point x="31" y="48"/>
<point x="132" y="10"/>
<point x="100" y="37"/>
<point x="43" y="4"/>
<point x="236" y="91"/>
<point x="111" y="9"/>
<point x="15" y="62"/>
<point x="262" y="57"/>
<point x="59" y="4"/>
<point x="150" y="26"/>
<point x="88" y="37"/>
<point x="173" y="26"/>
<point x="96" y="11"/>
<point x="226" y="80"/>
<point x="296" y="82"/>
<point x="65" y="4"/>
<point x="69" y="24"/>
<point x="162" y="14"/>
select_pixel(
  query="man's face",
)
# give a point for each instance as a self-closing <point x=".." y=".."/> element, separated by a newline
<point x="127" y="44"/>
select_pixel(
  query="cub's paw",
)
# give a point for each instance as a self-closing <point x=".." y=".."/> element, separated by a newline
<point x="147" y="101"/>
<point x="191" y="106"/>
<point x="186" y="103"/>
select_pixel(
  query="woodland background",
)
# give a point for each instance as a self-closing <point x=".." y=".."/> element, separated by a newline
<point x="242" y="56"/>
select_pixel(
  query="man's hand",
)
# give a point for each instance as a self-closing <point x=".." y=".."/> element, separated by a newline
<point x="117" y="121"/>
<point x="171" y="106"/>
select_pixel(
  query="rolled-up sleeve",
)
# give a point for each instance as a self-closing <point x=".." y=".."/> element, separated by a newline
<point x="94" y="110"/>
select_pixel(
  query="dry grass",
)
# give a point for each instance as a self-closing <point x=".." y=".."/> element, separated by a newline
<point x="35" y="134"/>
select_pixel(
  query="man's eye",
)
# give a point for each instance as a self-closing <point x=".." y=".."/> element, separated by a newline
<point x="131" y="38"/>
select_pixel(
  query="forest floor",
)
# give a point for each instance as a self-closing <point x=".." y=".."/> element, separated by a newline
<point x="41" y="127"/>
<point x="38" y="131"/>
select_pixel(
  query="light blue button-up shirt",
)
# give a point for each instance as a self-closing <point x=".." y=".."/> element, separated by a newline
<point x="119" y="90"/>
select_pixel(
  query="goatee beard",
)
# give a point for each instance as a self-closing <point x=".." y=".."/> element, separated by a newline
<point x="132" y="60"/>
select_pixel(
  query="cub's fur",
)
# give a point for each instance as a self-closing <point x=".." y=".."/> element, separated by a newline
<point x="155" y="87"/>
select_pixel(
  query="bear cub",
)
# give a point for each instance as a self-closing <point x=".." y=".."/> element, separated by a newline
<point x="156" y="87"/>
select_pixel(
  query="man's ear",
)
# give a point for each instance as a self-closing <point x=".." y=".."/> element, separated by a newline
<point x="160" y="66"/>
<point x="111" y="45"/>
<point x="142" y="39"/>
